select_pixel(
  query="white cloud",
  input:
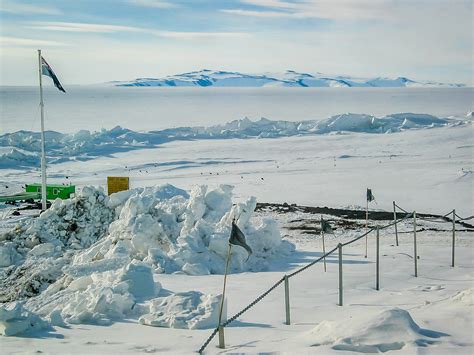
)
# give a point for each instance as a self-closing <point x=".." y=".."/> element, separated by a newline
<point x="352" y="10"/>
<point x="102" y="28"/>
<point x="191" y="35"/>
<point x="159" y="4"/>
<point x="27" y="42"/>
<point x="83" y="27"/>
<point x="19" y="8"/>
<point x="252" y="13"/>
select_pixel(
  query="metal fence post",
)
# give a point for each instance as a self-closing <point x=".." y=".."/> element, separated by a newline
<point x="415" y="254"/>
<point x="377" y="283"/>
<point x="454" y="237"/>
<point x="395" y="221"/>
<point x="324" y="251"/>
<point x="340" y="274"/>
<point x="221" y="337"/>
<point x="287" y="300"/>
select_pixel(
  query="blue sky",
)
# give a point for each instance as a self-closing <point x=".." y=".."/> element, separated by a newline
<point x="89" y="41"/>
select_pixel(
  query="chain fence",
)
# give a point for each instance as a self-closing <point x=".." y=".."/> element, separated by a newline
<point x="408" y="215"/>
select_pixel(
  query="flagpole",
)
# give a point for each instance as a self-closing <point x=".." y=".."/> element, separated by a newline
<point x="324" y="250"/>
<point x="366" y="227"/>
<point x="43" y="159"/>
<point x="221" y="329"/>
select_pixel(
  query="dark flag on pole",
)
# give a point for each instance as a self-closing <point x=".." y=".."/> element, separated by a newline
<point x="238" y="238"/>
<point x="46" y="70"/>
<point x="370" y="197"/>
<point x="326" y="227"/>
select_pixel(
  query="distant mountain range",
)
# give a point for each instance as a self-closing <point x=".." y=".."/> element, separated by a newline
<point x="289" y="78"/>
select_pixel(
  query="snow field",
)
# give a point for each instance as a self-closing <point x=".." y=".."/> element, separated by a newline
<point x="438" y="301"/>
<point x="423" y="170"/>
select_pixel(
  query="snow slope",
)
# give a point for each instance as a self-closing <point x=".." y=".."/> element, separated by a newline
<point x="289" y="78"/>
<point x="20" y="149"/>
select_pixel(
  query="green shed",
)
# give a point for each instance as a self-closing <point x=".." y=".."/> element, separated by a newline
<point x="53" y="191"/>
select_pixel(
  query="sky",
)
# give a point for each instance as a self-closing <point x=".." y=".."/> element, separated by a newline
<point x="95" y="41"/>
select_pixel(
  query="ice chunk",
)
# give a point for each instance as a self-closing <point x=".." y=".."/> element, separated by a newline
<point x="16" y="320"/>
<point x="139" y="278"/>
<point x="392" y="329"/>
<point x="185" y="310"/>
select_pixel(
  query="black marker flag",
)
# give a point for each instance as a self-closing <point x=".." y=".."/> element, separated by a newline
<point x="237" y="237"/>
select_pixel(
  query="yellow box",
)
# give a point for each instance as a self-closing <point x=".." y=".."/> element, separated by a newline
<point x="117" y="183"/>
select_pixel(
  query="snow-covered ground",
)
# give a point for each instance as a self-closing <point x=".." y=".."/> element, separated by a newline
<point x="160" y="256"/>
<point x="428" y="314"/>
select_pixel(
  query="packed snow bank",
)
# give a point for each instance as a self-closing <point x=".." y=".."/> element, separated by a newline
<point x="16" y="320"/>
<point x="24" y="146"/>
<point x="184" y="310"/>
<point x="92" y="259"/>
<point x="392" y="329"/>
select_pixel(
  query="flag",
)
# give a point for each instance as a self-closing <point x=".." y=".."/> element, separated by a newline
<point x="370" y="197"/>
<point x="238" y="238"/>
<point x="46" y="70"/>
<point x="326" y="227"/>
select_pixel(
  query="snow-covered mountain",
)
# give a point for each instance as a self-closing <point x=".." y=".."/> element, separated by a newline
<point x="289" y="78"/>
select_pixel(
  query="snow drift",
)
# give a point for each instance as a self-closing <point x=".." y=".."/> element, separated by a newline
<point x="16" y="320"/>
<point x="24" y="147"/>
<point x="393" y="329"/>
<point x="92" y="259"/>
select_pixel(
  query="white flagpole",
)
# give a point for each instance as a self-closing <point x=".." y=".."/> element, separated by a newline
<point x="43" y="159"/>
<point x="221" y="329"/>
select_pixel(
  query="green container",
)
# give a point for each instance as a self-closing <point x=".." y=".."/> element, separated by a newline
<point x="53" y="191"/>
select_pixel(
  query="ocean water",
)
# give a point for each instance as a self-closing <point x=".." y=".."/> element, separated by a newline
<point x="144" y="109"/>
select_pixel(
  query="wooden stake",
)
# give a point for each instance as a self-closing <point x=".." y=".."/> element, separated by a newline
<point x="221" y="328"/>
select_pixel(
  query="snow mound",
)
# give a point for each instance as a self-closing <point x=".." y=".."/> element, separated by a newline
<point x="180" y="234"/>
<point x="392" y="329"/>
<point x="99" y="298"/>
<point x="103" y="269"/>
<point x="35" y="253"/>
<point x="465" y="298"/>
<point x="24" y="147"/>
<point x="459" y="302"/>
<point x="185" y="310"/>
<point x="16" y="320"/>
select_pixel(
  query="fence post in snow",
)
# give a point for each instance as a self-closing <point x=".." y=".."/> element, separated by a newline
<point x="324" y="251"/>
<point x="377" y="283"/>
<point x="340" y="274"/>
<point x="454" y="237"/>
<point x="415" y="254"/>
<point x="395" y="221"/>
<point x="221" y="337"/>
<point x="287" y="300"/>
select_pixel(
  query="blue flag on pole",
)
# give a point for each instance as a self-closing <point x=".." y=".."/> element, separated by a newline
<point x="46" y="70"/>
